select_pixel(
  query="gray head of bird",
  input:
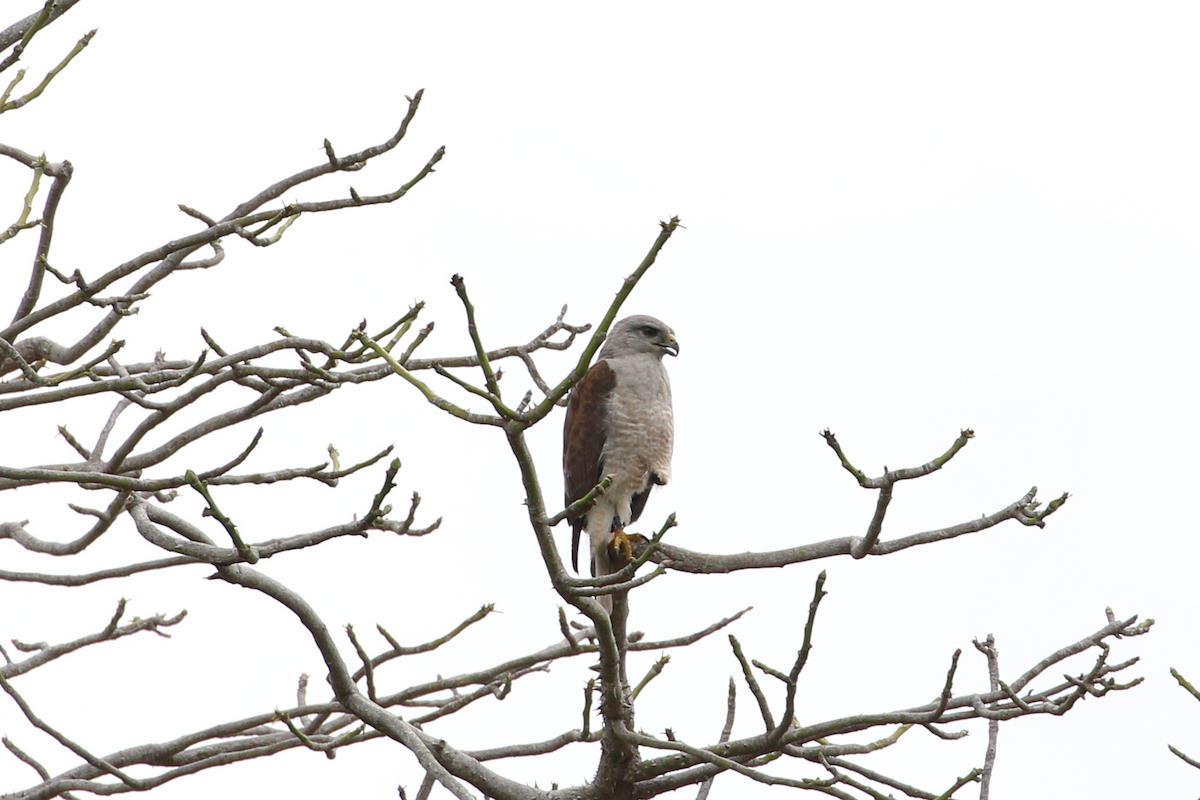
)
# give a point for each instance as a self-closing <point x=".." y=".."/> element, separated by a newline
<point x="640" y="334"/>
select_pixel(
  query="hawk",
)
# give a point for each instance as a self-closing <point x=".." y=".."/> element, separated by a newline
<point x="619" y="423"/>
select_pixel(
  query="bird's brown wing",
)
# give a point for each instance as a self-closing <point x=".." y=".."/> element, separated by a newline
<point x="584" y="432"/>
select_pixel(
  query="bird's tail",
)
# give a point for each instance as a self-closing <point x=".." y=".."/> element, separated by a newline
<point x="602" y="565"/>
<point x="576" y="528"/>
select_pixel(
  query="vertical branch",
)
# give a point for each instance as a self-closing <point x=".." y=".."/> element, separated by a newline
<point x="864" y="545"/>
<point x="618" y="754"/>
<point x="368" y="667"/>
<point x="988" y="648"/>
<point x="587" y="707"/>
<point x="427" y="785"/>
<point x="789" y="712"/>
<point x="489" y="376"/>
<point x="726" y="732"/>
<point x="62" y="177"/>
<point x="752" y="682"/>
<point x="23" y="222"/>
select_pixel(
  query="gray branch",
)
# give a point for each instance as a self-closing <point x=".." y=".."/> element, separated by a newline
<point x="682" y="560"/>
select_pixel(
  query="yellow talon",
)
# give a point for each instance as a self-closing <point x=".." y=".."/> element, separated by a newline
<point x="621" y="548"/>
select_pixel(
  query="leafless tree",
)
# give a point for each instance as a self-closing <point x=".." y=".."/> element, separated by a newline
<point x="125" y="476"/>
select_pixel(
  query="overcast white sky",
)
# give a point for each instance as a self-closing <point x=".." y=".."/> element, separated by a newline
<point x="901" y="220"/>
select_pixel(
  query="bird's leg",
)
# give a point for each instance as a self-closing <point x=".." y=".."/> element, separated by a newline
<point x="621" y="548"/>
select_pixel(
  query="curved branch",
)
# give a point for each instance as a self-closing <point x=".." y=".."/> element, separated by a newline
<point x="343" y="684"/>
<point x="41" y="256"/>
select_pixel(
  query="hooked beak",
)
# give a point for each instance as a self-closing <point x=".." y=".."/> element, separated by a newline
<point x="671" y="345"/>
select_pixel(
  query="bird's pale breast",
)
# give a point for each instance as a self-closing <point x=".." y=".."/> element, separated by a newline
<point x="641" y="433"/>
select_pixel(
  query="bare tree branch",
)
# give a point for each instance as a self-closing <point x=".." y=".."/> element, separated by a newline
<point x="731" y="709"/>
<point x="22" y="32"/>
<point x="110" y="632"/>
<point x="78" y="750"/>
<point x="682" y="560"/>
<point x="989" y="650"/>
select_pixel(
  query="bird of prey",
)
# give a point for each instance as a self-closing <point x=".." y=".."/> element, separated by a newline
<point x="619" y="423"/>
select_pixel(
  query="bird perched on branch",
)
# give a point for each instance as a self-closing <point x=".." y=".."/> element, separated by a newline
<point x="620" y="424"/>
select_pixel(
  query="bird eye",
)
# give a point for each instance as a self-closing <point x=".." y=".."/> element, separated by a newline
<point x="647" y="330"/>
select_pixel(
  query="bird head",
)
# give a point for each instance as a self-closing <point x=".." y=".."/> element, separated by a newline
<point x="640" y="334"/>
